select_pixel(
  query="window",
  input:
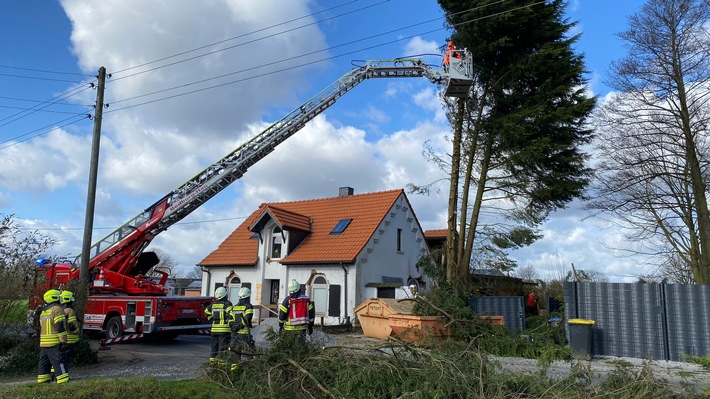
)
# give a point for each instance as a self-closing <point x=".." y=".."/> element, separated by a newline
<point x="276" y="243"/>
<point x="233" y="289"/>
<point x="341" y="226"/>
<point x="319" y="289"/>
<point x="399" y="240"/>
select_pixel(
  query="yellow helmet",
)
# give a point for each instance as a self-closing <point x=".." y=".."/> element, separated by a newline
<point x="66" y="297"/>
<point x="52" y="296"/>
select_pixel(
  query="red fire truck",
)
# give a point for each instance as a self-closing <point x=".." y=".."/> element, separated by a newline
<point x="122" y="300"/>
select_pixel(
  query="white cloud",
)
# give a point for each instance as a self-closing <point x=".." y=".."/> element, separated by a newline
<point x="152" y="141"/>
<point x="46" y="163"/>
<point x="418" y="47"/>
<point x="154" y="138"/>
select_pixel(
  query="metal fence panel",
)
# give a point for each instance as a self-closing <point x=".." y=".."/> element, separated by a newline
<point x="628" y="317"/>
<point x="512" y="308"/>
<point x="689" y="320"/>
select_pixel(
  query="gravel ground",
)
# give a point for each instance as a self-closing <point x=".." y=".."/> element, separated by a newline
<point x="183" y="359"/>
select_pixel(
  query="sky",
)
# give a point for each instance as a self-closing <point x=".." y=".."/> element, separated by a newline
<point x="190" y="81"/>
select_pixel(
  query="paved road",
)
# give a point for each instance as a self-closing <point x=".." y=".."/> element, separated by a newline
<point x="177" y="359"/>
<point x="180" y="358"/>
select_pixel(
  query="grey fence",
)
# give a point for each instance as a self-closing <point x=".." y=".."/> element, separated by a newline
<point x="512" y="308"/>
<point x="648" y="321"/>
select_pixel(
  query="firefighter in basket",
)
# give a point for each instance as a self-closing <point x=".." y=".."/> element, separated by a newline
<point x="241" y="319"/>
<point x="297" y="312"/>
<point x="52" y="339"/>
<point x="218" y="312"/>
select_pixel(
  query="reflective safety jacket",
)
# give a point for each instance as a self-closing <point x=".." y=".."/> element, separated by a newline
<point x="242" y="314"/>
<point x="219" y="312"/>
<point x="284" y="314"/>
<point x="72" y="325"/>
<point x="52" y="328"/>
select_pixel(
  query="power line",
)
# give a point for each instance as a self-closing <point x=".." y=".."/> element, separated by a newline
<point x="310" y="53"/>
<point x="30" y="111"/>
<point x="38" y="78"/>
<point x="39" y="101"/>
<point x="243" y="35"/>
<point x="44" y="104"/>
<point x="45" y="111"/>
<point x="43" y="71"/>
<point x="76" y="118"/>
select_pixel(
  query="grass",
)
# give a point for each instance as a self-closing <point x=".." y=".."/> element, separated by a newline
<point x="118" y="388"/>
<point x="454" y="368"/>
<point x="702" y="361"/>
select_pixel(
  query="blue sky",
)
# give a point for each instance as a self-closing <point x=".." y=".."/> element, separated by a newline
<point x="206" y="102"/>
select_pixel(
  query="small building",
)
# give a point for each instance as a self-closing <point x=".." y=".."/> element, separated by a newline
<point x="193" y="289"/>
<point x="341" y="249"/>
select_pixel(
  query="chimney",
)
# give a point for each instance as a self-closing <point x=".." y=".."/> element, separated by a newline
<point x="345" y="191"/>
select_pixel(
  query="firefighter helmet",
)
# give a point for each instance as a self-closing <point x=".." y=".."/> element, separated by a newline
<point x="66" y="297"/>
<point x="293" y="287"/>
<point x="244" y="292"/>
<point x="52" y="296"/>
<point x="220" y="293"/>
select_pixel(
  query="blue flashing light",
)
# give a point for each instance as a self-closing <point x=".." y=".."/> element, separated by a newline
<point x="42" y="261"/>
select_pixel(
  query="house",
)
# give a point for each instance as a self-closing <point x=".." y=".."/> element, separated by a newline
<point x="343" y="250"/>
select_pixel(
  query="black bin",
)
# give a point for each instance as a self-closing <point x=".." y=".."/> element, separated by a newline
<point x="580" y="338"/>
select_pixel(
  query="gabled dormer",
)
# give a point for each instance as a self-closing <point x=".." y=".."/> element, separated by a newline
<point x="281" y="231"/>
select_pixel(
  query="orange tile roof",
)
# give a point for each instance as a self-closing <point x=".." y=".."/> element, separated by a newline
<point x="285" y="219"/>
<point x="366" y="211"/>
<point x="439" y="233"/>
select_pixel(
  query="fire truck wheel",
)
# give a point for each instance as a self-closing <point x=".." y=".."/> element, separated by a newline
<point x="114" y="327"/>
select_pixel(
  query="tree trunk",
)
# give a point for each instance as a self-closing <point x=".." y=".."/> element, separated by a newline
<point x="476" y="212"/>
<point x="453" y="197"/>
<point x="468" y="234"/>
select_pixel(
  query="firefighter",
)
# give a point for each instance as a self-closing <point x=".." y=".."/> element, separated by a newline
<point x="241" y="324"/>
<point x="241" y="321"/>
<point x="297" y="312"/>
<point x="66" y="299"/>
<point x="450" y="52"/>
<point x="219" y="313"/>
<point x="52" y="339"/>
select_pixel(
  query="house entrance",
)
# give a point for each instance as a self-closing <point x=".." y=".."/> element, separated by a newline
<point x="273" y="299"/>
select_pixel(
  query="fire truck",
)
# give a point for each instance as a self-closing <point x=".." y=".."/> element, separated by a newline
<point x="123" y="303"/>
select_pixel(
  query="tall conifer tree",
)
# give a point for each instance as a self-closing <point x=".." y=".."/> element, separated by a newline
<point x="520" y="145"/>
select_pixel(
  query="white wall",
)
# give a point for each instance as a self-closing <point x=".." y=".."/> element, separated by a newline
<point x="381" y="258"/>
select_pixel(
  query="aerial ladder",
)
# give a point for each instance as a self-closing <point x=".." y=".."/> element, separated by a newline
<point x="118" y="264"/>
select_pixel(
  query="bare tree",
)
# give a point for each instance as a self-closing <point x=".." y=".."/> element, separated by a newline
<point x="19" y="249"/>
<point x="194" y="273"/>
<point x="653" y="136"/>
<point x="167" y="262"/>
<point x="527" y="272"/>
<point x="581" y="275"/>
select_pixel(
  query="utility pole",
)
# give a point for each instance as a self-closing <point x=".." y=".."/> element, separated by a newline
<point x="93" y="173"/>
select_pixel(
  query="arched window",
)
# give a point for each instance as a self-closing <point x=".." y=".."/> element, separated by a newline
<point x="319" y="294"/>
<point x="235" y="283"/>
<point x="276" y="243"/>
<point x="233" y="287"/>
